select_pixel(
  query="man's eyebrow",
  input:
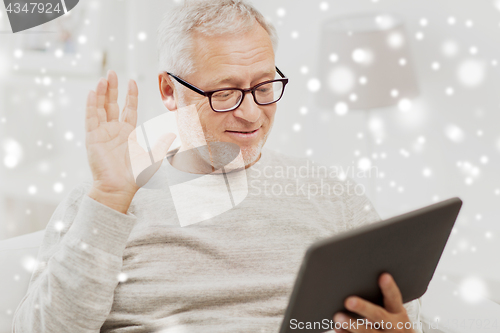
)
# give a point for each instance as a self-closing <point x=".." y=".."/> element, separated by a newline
<point x="232" y="79"/>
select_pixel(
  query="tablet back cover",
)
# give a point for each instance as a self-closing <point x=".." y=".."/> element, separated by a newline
<point x="407" y="246"/>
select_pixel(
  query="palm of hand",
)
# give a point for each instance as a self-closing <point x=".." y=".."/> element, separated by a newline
<point x="115" y="157"/>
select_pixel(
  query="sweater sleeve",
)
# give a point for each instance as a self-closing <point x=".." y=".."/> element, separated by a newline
<point x="360" y="212"/>
<point x="72" y="287"/>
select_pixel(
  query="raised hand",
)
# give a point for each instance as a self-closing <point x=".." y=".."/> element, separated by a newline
<point x="114" y="156"/>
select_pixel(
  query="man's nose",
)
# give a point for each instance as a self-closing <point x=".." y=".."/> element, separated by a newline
<point x="248" y="110"/>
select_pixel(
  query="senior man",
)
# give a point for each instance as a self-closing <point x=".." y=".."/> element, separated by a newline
<point x="115" y="257"/>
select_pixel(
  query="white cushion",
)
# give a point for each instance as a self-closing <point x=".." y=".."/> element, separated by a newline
<point x="17" y="256"/>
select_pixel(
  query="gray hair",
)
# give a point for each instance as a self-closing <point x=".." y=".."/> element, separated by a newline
<point x="209" y="17"/>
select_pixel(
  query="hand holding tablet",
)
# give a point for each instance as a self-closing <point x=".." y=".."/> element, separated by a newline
<point x="391" y="315"/>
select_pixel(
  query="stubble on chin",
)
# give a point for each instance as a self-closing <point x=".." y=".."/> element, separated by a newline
<point x="249" y="153"/>
<point x="194" y="134"/>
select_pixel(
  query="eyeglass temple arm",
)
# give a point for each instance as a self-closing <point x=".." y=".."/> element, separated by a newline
<point x="279" y="72"/>
<point x="187" y="85"/>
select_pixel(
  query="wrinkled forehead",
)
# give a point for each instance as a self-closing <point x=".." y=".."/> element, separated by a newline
<point x="240" y="54"/>
<point x="233" y="47"/>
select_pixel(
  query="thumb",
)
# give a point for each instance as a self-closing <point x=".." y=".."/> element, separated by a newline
<point x="393" y="300"/>
<point x="162" y="145"/>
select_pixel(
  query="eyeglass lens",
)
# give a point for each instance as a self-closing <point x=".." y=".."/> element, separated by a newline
<point x="265" y="94"/>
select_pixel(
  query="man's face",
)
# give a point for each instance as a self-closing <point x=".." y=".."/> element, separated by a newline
<point x="240" y="61"/>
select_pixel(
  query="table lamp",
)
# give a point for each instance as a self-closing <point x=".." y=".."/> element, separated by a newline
<point x="365" y="63"/>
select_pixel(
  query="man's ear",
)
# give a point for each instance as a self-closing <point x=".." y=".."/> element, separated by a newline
<point x="167" y="91"/>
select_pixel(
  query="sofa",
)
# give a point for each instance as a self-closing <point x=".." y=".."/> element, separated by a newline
<point x="17" y="256"/>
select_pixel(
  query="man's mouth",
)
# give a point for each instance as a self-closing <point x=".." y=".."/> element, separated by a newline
<point x="244" y="135"/>
<point x="244" y="132"/>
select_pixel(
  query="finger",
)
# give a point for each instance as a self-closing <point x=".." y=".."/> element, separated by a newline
<point x="91" y="118"/>
<point x="130" y="110"/>
<point x="161" y="147"/>
<point x="111" y="104"/>
<point x="102" y="86"/>
<point x="366" y="309"/>
<point x="393" y="300"/>
<point x="340" y="330"/>
<point x="123" y="114"/>
<point x="346" y="323"/>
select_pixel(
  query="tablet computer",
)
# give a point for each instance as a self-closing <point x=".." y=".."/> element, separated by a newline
<point x="407" y="246"/>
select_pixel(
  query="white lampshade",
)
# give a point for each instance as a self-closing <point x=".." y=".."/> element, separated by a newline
<point x="365" y="62"/>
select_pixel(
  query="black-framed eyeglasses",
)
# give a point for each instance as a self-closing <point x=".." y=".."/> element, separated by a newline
<point x="229" y="99"/>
